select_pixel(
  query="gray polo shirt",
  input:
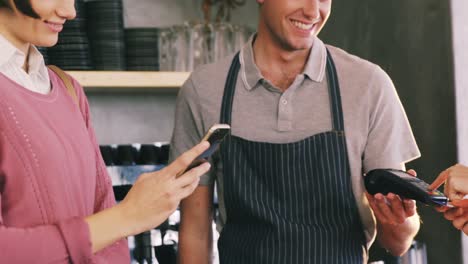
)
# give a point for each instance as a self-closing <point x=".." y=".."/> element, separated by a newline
<point x="378" y="134"/>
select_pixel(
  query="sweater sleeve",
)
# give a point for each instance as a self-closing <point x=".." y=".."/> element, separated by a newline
<point x="104" y="195"/>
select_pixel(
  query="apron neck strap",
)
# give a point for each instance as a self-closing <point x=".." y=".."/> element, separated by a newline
<point x="229" y="90"/>
<point x="335" y="97"/>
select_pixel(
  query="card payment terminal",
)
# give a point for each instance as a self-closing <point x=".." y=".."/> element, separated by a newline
<point x="405" y="185"/>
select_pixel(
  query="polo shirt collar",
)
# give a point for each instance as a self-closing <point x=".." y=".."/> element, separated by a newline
<point x="316" y="63"/>
<point x="314" y="69"/>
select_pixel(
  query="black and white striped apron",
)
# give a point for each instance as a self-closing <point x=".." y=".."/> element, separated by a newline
<point x="289" y="203"/>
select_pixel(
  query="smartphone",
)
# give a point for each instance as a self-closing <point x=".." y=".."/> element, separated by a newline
<point x="215" y="136"/>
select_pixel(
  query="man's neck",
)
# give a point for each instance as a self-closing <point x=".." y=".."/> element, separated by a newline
<point x="276" y="64"/>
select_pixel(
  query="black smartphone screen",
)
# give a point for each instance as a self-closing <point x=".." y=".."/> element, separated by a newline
<point x="215" y="137"/>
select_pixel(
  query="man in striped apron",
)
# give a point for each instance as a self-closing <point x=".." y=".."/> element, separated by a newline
<point x="306" y="120"/>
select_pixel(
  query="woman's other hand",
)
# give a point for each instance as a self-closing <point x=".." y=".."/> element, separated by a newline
<point x="156" y="195"/>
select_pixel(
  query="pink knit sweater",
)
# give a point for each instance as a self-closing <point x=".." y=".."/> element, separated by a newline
<point x="51" y="177"/>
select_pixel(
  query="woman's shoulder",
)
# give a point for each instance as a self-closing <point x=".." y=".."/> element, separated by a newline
<point x="69" y="85"/>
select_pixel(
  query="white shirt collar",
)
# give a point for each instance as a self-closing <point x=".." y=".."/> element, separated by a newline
<point x="36" y="61"/>
<point x="8" y="52"/>
<point x="12" y="59"/>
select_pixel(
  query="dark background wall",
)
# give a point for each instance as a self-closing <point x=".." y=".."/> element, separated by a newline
<point x="411" y="40"/>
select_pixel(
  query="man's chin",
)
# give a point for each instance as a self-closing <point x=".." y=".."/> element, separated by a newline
<point x="300" y="45"/>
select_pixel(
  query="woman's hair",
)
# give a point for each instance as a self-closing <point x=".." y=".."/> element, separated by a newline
<point x="24" y="6"/>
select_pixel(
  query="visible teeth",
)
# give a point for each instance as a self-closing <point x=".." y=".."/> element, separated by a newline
<point x="302" y="25"/>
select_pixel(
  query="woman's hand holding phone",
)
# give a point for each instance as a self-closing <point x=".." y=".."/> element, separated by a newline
<point x="214" y="136"/>
<point x="151" y="200"/>
<point x="155" y="195"/>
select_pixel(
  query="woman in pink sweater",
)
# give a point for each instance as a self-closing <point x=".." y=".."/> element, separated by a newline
<point x="56" y="199"/>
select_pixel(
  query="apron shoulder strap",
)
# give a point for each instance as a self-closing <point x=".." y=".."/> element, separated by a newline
<point x="335" y="96"/>
<point x="66" y="80"/>
<point x="229" y="90"/>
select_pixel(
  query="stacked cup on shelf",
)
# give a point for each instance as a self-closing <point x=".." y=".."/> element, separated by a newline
<point x="202" y="37"/>
<point x="72" y="49"/>
<point x="110" y="47"/>
<point x="106" y="34"/>
<point x="142" y="49"/>
<point x="184" y="47"/>
<point x="181" y="48"/>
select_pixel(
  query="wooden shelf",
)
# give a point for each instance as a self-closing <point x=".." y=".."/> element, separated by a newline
<point x="129" y="79"/>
